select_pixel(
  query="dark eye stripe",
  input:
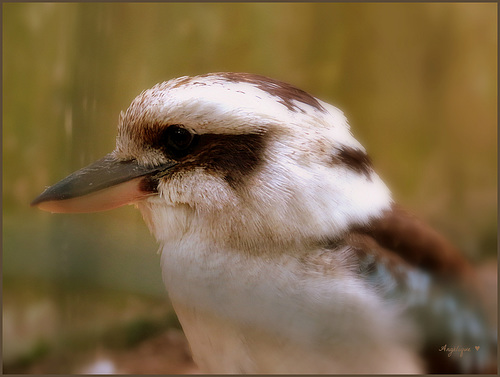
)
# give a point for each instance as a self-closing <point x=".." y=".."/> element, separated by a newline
<point x="234" y="157"/>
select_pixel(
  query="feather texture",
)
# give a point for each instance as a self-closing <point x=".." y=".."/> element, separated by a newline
<point x="282" y="250"/>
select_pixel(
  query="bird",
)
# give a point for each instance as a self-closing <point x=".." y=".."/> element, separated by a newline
<point x="282" y="249"/>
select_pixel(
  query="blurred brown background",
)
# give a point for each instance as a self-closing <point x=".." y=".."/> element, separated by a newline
<point x="417" y="81"/>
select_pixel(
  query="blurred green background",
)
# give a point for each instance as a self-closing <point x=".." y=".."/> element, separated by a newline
<point x="418" y="83"/>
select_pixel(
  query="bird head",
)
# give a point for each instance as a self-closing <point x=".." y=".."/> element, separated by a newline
<point x="234" y="158"/>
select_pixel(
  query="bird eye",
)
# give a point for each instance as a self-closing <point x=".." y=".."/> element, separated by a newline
<point x="178" y="139"/>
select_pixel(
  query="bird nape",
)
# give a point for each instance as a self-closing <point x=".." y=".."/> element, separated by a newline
<point x="282" y="250"/>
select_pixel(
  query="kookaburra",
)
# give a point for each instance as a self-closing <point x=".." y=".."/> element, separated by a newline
<point x="282" y="250"/>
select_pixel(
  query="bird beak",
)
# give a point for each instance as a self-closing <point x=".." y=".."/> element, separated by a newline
<point x="107" y="183"/>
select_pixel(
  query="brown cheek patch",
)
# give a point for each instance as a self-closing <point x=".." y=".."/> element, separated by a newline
<point x="286" y="93"/>
<point x="233" y="157"/>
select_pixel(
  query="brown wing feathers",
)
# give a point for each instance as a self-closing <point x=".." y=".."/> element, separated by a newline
<point x="417" y="244"/>
<point x="398" y="243"/>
